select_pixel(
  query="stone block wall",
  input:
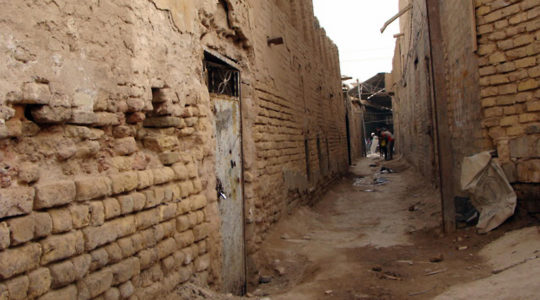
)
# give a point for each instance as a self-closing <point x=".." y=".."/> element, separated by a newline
<point x="107" y="141"/>
<point x="509" y="59"/>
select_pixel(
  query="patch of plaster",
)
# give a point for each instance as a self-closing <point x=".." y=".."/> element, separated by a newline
<point x="182" y="13"/>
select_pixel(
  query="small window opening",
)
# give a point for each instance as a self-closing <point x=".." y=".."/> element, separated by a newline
<point x="221" y="78"/>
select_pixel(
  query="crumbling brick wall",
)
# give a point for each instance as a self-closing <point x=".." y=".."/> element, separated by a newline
<point x="412" y="102"/>
<point x="417" y="107"/>
<point x="298" y="116"/>
<point x="105" y="150"/>
<point x="509" y="59"/>
<point x="491" y="53"/>
<point x="107" y="144"/>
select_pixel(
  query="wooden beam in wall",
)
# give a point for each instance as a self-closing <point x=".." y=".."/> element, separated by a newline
<point x="440" y="97"/>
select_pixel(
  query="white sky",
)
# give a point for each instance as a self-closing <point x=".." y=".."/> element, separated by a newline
<point x="354" y="25"/>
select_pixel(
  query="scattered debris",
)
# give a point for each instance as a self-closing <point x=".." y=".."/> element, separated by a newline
<point x="437" y="259"/>
<point x="385" y="170"/>
<point x="380" y="180"/>
<point x="391" y="276"/>
<point x="436" y="272"/>
<point x="491" y="193"/>
<point x="411" y="229"/>
<point x="413" y="207"/>
<point x="461" y="248"/>
<point x="386" y="275"/>
<point x="360" y="181"/>
<point x="285" y="236"/>
<point x="466" y="214"/>
<point x="422" y="292"/>
<point x="373" y="165"/>
<point x="265" y="279"/>
<point x="280" y="270"/>
<point x="409" y="262"/>
<point x="328" y="292"/>
<point x="497" y="271"/>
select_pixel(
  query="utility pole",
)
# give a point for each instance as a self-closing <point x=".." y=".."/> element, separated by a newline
<point x="360" y="88"/>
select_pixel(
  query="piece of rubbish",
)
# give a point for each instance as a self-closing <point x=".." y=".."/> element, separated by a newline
<point x="380" y="180"/>
<point x="280" y="270"/>
<point x="385" y="170"/>
<point x="373" y="165"/>
<point x="413" y="207"/>
<point x="285" y="236"/>
<point x="461" y="248"/>
<point x="377" y="269"/>
<point x="490" y="192"/>
<point x="497" y="271"/>
<point x="389" y="275"/>
<point x="422" y="292"/>
<point x="265" y="279"/>
<point x="369" y="191"/>
<point x="360" y="181"/>
<point x="437" y="259"/>
<point x="466" y="214"/>
<point x="436" y="272"/>
<point x="409" y="262"/>
<point x="328" y="292"/>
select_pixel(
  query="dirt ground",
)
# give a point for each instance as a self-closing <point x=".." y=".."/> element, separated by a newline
<point x="365" y="241"/>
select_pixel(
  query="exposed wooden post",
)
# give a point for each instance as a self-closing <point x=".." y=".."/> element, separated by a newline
<point x="440" y="97"/>
<point x="399" y="14"/>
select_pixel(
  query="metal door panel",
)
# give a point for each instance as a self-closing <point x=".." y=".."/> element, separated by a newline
<point x="229" y="178"/>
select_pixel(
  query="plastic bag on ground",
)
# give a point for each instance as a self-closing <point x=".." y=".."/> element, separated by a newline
<point x="491" y="193"/>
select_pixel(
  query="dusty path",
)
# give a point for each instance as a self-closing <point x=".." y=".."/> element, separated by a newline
<point x="369" y="242"/>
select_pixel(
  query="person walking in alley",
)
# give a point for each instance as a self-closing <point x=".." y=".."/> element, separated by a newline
<point x="382" y="143"/>
<point x="388" y="139"/>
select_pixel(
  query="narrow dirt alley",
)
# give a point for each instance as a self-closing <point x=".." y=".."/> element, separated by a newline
<point x="370" y="241"/>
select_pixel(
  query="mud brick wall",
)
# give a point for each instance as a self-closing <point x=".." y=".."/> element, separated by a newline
<point x="491" y="52"/>
<point x="106" y="151"/>
<point x="107" y="139"/>
<point x="298" y="116"/>
<point x="412" y="103"/>
<point x="509" y="59"/>
<point x="413" y="82"/>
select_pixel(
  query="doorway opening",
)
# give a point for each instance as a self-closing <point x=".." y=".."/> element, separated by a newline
<point x="223" y="80"/>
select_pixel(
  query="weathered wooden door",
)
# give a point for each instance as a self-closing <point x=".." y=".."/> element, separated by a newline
<point x="229" y="188"/>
